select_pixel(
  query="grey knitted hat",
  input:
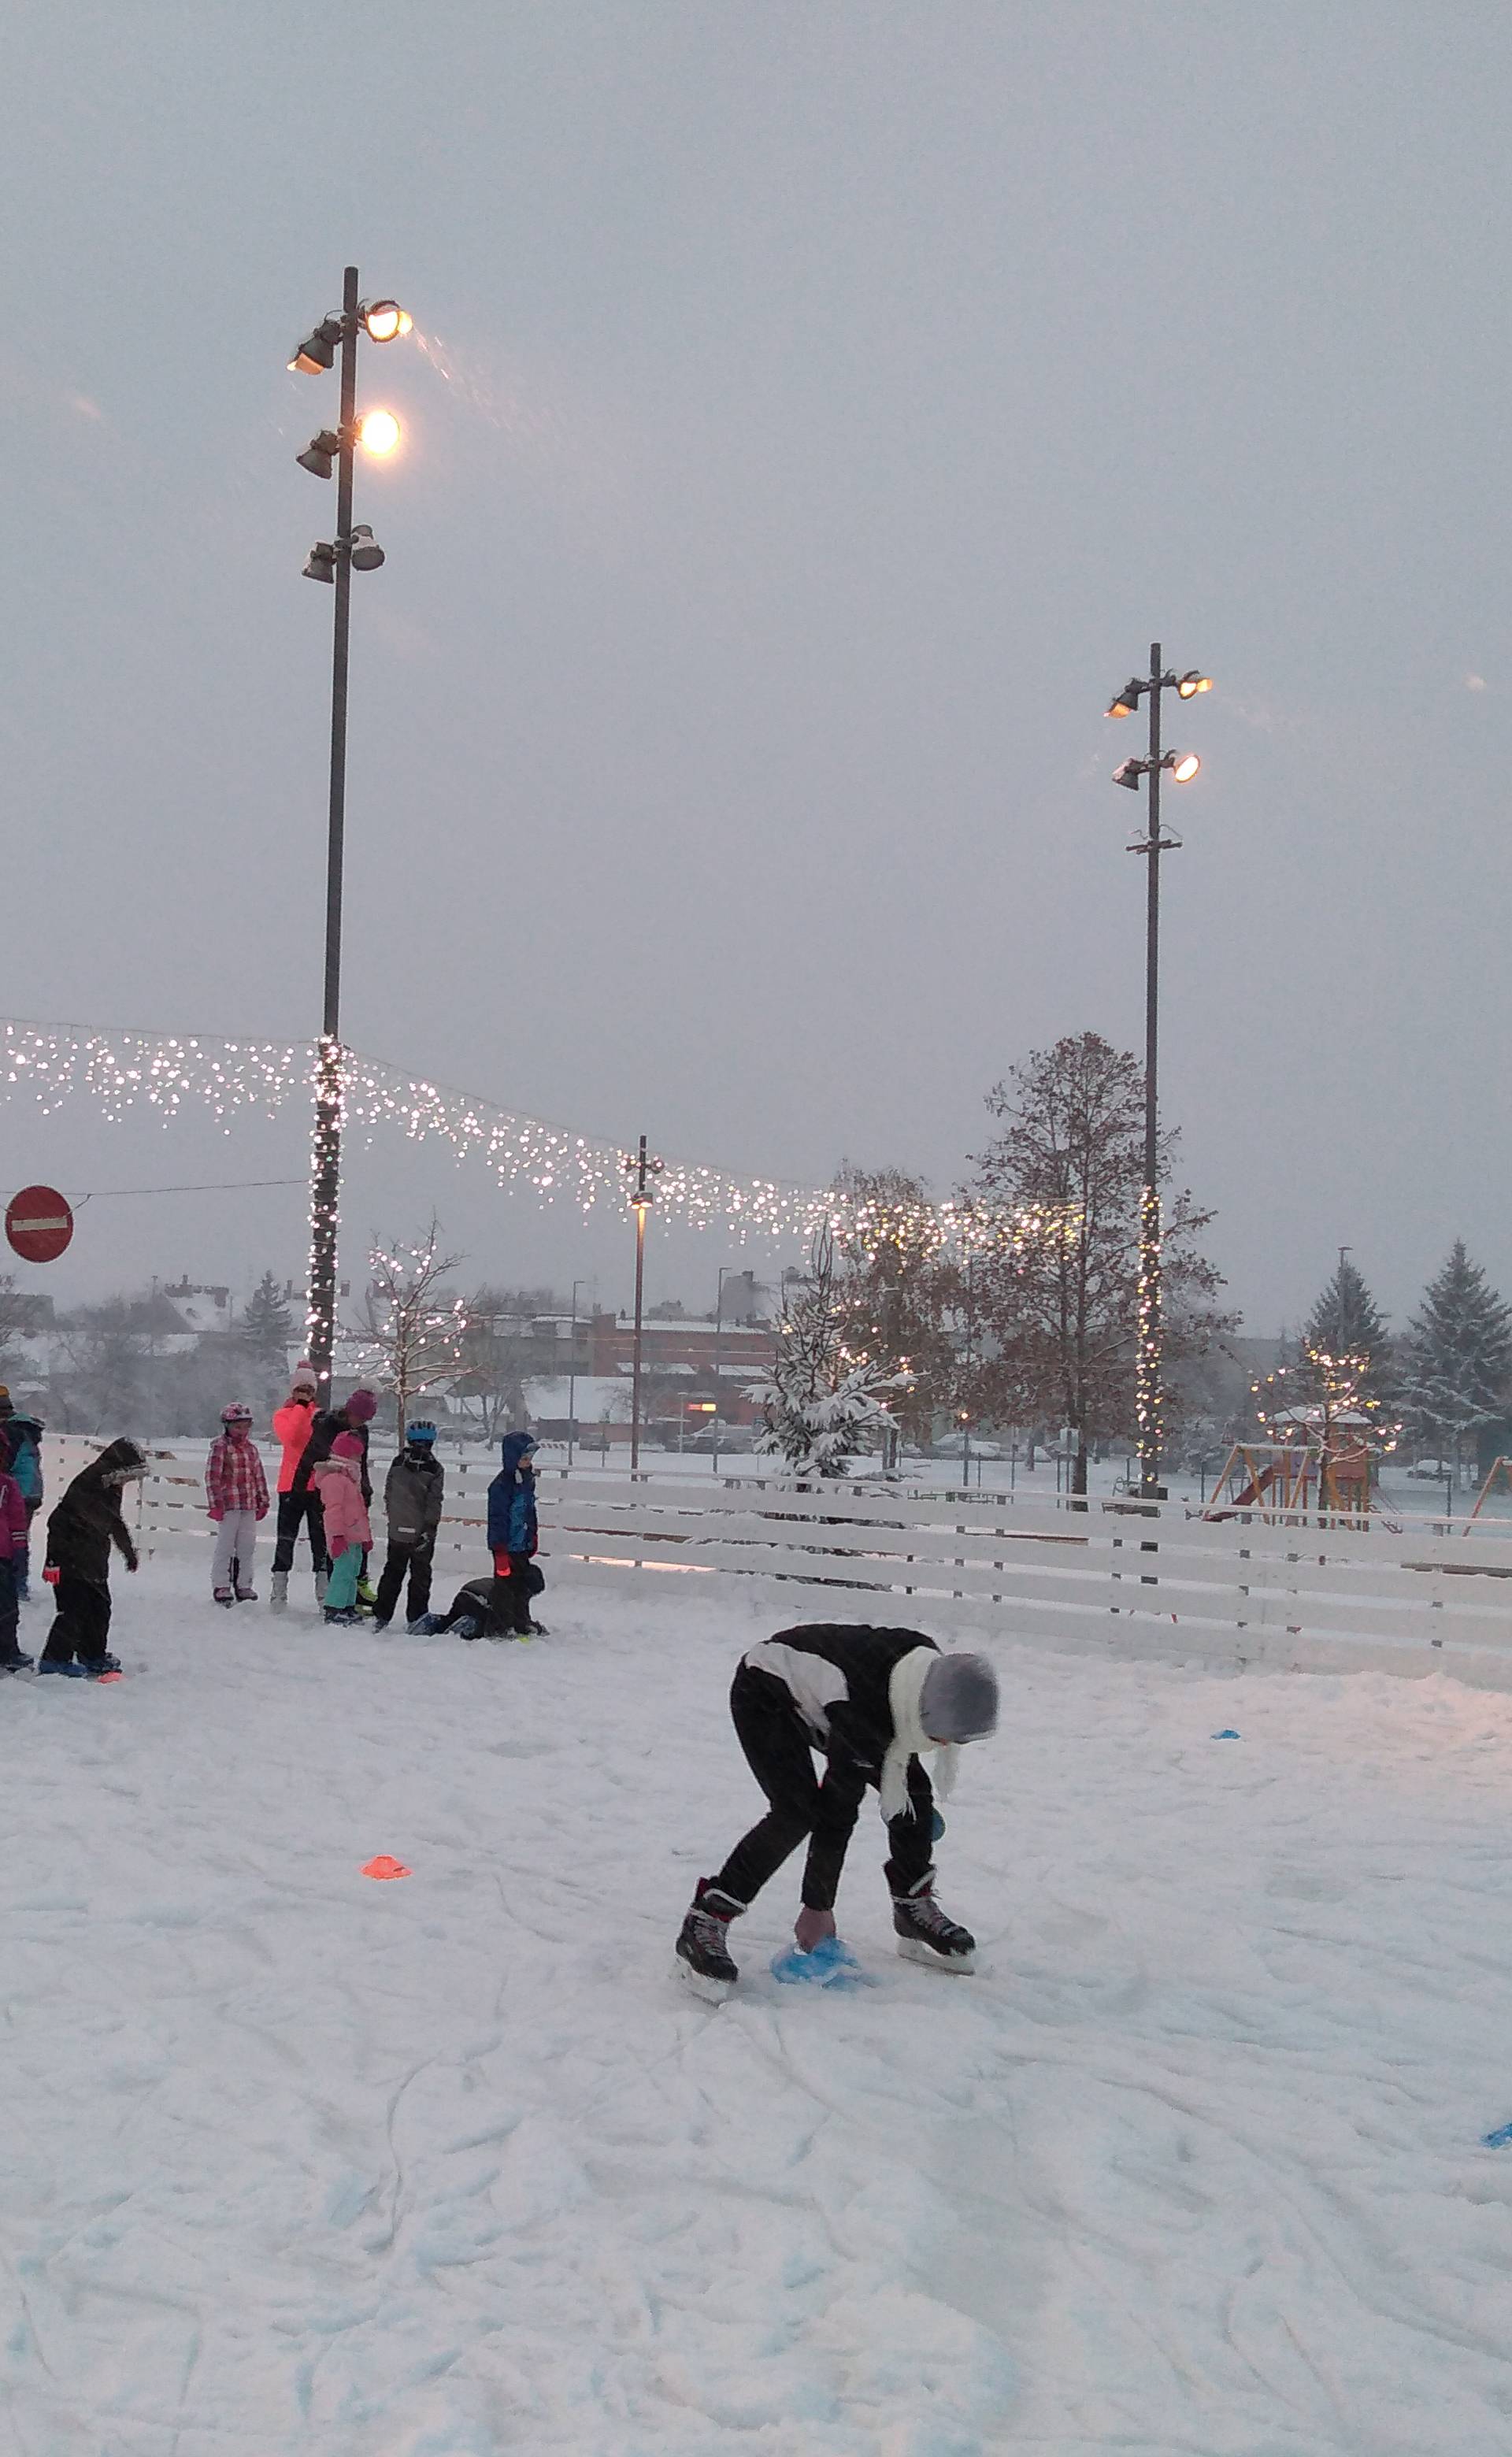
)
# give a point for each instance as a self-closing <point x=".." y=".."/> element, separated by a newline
<point x="958" y="1701"/>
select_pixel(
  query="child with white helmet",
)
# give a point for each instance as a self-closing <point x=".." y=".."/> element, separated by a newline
<point x="237" y="1491"/>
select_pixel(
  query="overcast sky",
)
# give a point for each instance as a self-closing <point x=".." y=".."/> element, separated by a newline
<point x="814" y="413"/>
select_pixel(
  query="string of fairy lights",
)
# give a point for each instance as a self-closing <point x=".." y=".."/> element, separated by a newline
<point x="130" y="1074"/>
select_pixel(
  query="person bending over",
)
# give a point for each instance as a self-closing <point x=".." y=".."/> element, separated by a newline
<point x="872" y="1703"/>
<point x="81" y="1530"/>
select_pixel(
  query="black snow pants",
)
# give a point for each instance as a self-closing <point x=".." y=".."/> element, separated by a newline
<point x="780" y="1752"/>
<point x="83" y="1622"/>
<point x="416" y="1560"/>
<point x="297" y="1510"/>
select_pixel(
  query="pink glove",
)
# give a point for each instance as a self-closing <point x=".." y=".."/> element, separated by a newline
<point x="811" y="1928"/>
<point x="216" y="1515"/>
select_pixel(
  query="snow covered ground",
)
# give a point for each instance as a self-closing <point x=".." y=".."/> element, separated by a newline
<point x="299" y="2162"/>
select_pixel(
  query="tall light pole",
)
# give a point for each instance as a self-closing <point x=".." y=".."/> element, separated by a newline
<point x="571" y="1380"/>
<point x="727" y="1273"/>
<point x="1183" y="766"/>
<point x="642" y="1195"/>
<point x="354" y="547"/>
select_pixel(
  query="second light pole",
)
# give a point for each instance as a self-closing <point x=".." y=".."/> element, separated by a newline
<point x="1183" y="766"/>
<point x="354" y="547"/>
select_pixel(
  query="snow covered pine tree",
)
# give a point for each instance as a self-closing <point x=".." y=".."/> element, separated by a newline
<point x="820" y="1399"/>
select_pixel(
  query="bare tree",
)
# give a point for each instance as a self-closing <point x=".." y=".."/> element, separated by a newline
<point x="898" y="1291"/>
<point x="1061" y="1310"/>
<point x="411" y="1330"/>
<point x="499" y="1351"/>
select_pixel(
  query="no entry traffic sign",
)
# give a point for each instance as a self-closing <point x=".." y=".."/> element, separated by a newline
<point x="38" y="1223"/>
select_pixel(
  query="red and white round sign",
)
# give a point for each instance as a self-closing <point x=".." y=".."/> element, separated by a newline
<point x="38" y="1223"/>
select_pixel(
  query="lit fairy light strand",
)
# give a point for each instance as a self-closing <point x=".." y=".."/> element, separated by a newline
<point x="130" y="1073"/>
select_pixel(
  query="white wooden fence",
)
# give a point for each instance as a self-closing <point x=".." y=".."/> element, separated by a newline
<point x="1113" y="1577"/>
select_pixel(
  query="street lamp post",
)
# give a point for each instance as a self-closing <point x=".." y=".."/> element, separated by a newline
<point x="642" y="1195"/>
<point x="354" y="547"/>
<point x="727" y="1273"/>
<point x="571" y="1381"/>
<point x="1152" y="845"/>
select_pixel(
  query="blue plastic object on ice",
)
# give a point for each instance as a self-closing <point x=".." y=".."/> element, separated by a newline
<point x="1498" y="2140"/>
<point x="831" y="1965"/>
<point x="1227" y="1734"/>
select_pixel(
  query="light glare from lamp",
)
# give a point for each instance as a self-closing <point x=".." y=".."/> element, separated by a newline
<point x="379" y="432"/>
<point x="387" y="320"/>
<point x="1186" y="767"/>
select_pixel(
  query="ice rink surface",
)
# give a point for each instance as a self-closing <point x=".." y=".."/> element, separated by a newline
<point x="298" y="2162"/>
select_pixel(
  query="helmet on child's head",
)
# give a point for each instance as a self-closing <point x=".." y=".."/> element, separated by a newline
<point x="422" y="1431"/>
<point x="237" y="1412"/>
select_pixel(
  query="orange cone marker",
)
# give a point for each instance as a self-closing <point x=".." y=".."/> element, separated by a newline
<point x="384" y="1867"/>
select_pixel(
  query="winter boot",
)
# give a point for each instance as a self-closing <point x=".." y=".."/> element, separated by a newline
<point x="703" y="1946"/>
<point x="101" y="1665"/>
<point x="15" y="1662"/>
<point x="925" y="1936"/>
<point x="343" y="1618"/>
<point x="279" y="1593"/>
<point x="226" y="1596"/>
<point x="69" y="1671"/>
<point x="246" y="1594"/>
<point x="366" y="1596"/>
<point x="322" y="1579"/>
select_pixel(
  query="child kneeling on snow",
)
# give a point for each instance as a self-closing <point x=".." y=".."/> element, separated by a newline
<point x="337" y="1480"/>
<point x="871" y="1702"/>
<point x="489" y="1608"/>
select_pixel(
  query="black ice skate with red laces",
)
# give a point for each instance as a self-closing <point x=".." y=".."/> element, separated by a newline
<point x="703" y="1946"/>
<point x="925" y="1933"/>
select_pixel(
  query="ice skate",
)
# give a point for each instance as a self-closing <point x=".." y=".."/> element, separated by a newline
<point x="103" y="1668"/>
<point x="67" y="1671"/>
<point x="246" y="1594"/>
<point x="703" y="1948"/>
<point x="16" y="1662"/>
<point x="925" y="1936"/>
<point x="279" y="1592"/>
<point x="225" y="1595"/>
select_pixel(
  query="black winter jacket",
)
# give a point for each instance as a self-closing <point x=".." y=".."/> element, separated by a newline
<point x="88" y="1519"/>
<point x="834" y="1676"/>
<point x="412" y="1498"/>
<point x="330" y="1422"/>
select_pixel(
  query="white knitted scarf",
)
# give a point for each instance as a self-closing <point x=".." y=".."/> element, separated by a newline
<point x="905" y="1688"/>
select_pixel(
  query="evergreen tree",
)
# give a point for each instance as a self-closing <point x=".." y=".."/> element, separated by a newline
<point x="267" y="1330"/>
<point x="1457" y="1365"/>
<point x="821" y="1399"/>
<point x="1346" y="1321"/>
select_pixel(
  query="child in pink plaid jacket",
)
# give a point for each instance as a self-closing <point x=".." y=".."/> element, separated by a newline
<point x="237" y="1491"/>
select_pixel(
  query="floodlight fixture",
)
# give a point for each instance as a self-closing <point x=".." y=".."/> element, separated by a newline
<point x="367" y="552"/>
<point x="384" y="320"/>
<point x="379" y="432"/>
<point x="1128" y="772"/>
<point x="1183" y="769"/>
<point x="322" y="563"/>
<point x="1125" y="702"/>
<point x="322" y="452"/>
<point x="317" y="352"/>
<point x="1189" y="684"/>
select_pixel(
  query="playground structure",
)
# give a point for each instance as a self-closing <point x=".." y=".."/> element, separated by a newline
<point x="1328" y="1480"/>
<point x="1500" y="1466"/>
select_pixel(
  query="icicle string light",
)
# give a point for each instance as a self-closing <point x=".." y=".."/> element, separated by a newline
<point x="163" y="1074"/>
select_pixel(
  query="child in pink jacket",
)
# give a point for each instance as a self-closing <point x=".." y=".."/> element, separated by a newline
<point x="337" y="1480"/>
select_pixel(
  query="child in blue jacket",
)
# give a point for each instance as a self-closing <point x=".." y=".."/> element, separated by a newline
<point x="512" y="1536"/>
